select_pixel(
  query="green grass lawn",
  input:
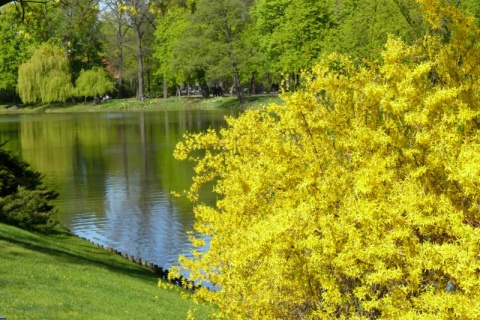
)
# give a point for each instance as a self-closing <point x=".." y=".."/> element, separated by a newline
<point x="147" y="105"/>
<point x="61" y="276"/>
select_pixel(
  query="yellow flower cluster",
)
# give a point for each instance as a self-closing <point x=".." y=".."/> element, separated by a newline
<point x="359" y="198"/>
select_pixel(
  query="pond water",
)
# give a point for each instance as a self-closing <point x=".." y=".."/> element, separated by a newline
<point x="115" y="172"/>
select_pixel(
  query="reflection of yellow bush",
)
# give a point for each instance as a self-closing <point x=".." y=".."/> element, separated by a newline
<point x="358" y="198"/>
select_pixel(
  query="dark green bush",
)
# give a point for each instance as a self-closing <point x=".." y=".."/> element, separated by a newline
<point x="23" y="201"/>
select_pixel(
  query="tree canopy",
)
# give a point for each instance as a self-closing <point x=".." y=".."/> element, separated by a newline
<point x="359" y="197"/>
<point x="93" y="83"/>
<point x="242" y="46"/>
<point x="45" y="77"/>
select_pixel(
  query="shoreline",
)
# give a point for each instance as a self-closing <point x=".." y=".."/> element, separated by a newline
<point x="64" y="276"/>
<point x="157" y="270"/>
<point x="135" y="105"/>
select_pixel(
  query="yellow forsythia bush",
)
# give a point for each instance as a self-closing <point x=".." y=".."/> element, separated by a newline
<point x="358" y="198"/>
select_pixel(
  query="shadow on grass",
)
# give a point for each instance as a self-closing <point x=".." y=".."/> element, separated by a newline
<point x="71" y="249"/>
<point x="252" y="101"/>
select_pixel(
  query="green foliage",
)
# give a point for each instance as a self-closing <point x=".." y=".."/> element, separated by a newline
<point x="14" y="44"/>
<point x="215" y="35"/>
<point x="358" y="198"/>
<point x="45" y="77"/>
<point x="75" y="25"/>
<point x="170" y="28"/>
<point x="362" y="27"/>
<point x="118" y="38"/>
<point x="93" y="83"/>
<point x="471" y="7"/>
<point x="208" y="44"/>
<point x="8" y="52"/>
<point x="23" y="202"/>
<point x="14" y="172"/>
<point x="28" y="209"/>
<point x="291" y="32"/>
<point x="72" y="25"/>
<point x="140" y="15"/>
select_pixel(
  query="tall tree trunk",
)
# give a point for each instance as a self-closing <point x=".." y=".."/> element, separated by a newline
<point x="120" y="66"/>
<point x="238" y="88"/>
<point x="165" y="87"/>
<point x="252" y="84"/>
<point x="149" y="80"/>
<point x="139" y="61"/>
<point x="236" y="77"/>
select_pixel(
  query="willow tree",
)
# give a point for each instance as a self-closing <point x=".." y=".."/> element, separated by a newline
<point x="93" y="83"/>
<point x="45" y="77"/>
<point x="358" y="198"/>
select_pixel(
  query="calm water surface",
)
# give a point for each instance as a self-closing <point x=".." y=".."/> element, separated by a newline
<point x="114" y="173"/>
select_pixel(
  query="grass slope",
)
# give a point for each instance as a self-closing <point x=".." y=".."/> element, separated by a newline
<point x="61" y="276"/>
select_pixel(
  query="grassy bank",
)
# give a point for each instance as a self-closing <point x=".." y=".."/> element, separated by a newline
<point x="61" y="276"/>
<point x="116" y="105"/>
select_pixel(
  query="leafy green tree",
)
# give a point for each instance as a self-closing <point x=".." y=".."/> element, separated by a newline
<point x="75" y="25"/>
<point x="93" y="83"/>
<point x="118" y="38"/>
<point x="213" y="42"/>
<point x="45" y="77"/>
<point x="141" y="14"/>
<point x="23" y="201"/>
<point x="292" y="32"/>
<point x="70" y="24"/>
<point x="170" y="27"/>
<point x="358" y="198"/>
<point x="9" y="55"/>
<point x="362" y="27"/>
<point x="16" y="37"/>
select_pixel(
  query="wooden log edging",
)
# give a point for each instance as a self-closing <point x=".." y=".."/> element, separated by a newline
<point x="158" y="270"/>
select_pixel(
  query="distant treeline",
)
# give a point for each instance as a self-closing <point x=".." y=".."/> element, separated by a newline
<point x="157" y="48"/>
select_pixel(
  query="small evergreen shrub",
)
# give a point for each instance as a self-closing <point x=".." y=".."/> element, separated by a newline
<point x="23" y="201"/>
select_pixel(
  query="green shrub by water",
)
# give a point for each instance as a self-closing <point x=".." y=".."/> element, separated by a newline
<point x="23" y="201"/>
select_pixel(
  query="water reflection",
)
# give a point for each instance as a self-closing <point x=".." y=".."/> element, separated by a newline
<point x="114" y="173"/>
